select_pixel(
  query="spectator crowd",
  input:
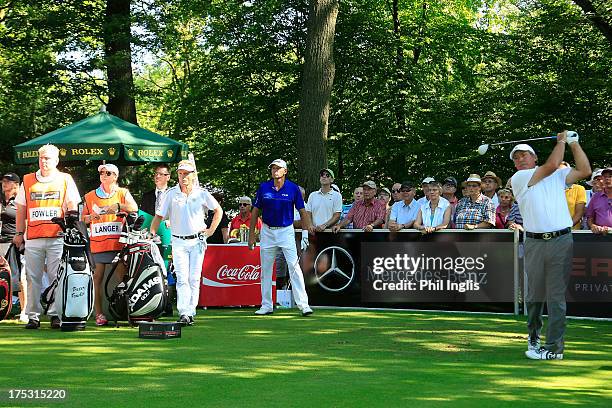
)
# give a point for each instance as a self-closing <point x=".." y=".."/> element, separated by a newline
<point x="477" y="202"/>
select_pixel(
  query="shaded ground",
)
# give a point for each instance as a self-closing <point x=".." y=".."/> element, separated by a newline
<point x="334" y="358"/>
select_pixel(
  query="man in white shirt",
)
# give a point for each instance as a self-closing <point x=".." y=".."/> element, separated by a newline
<point x="186" y="206"/>
<point x="540" y="193"/>
<point x="43" y="195"/>
<point x="324" y="206"/>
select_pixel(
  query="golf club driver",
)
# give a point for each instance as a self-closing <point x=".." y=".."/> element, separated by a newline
<point x="483" y="148"/>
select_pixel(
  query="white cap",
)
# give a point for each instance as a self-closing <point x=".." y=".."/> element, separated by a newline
<point x="596" y="173"/>
<point x="245" y="199"/>
<point x="474" y="178"/>
<point x="279" y="163"/>
<point x="428" y="180"/>
<point x="186" y="165"/>
<point x="109" y="167"/>
<point x="523" y="147"/>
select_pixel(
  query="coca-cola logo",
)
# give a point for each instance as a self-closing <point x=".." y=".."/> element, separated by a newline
<point x="245" y="273"/>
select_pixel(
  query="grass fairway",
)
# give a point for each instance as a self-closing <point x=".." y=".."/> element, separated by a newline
<point x="335" y="358"/>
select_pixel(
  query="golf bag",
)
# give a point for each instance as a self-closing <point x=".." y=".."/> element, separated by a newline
<point x="6" y="289"/>
<point x="73" y="290"/>
<point x="13" y="257"/>
<point x="141" y="294"/>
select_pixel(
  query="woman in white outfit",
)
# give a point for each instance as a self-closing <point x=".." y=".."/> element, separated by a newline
<point x="434" y="214"/>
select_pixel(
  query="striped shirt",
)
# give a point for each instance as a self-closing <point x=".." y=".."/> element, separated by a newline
<point x="515" y="215"/>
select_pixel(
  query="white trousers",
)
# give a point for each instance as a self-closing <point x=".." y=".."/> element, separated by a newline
<point x="38" y="253"/>
<point x="273" y="240"/>
<point x="188" y="257"/>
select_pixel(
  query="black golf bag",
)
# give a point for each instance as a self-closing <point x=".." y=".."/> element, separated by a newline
<point x="73" y="289"/>
<point x="13" y="257"/>
<point x="141" y="294"/>
<point x="6" y="289"/>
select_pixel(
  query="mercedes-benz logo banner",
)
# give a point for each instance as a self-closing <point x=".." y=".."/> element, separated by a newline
<point x="383" y="269"/>
<point x="437" y="272"/>
<point x="454" y="270"/>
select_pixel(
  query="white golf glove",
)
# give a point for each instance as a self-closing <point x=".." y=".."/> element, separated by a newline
<point x="572" y="137"/>
<point x="304" y="242"/>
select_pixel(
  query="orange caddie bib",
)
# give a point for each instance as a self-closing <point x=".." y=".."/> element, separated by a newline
<point x="43" y="202"/>
<point x="104" y="233"/>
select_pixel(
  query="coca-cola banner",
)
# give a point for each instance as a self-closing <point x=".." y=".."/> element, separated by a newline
<point x="231" y="276"/>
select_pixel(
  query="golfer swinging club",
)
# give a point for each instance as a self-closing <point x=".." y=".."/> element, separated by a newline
<point x="276" y="198"/>
<point x="540" y="192"/>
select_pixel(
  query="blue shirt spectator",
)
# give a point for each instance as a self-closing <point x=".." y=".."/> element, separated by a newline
<point x="403" y="213"/>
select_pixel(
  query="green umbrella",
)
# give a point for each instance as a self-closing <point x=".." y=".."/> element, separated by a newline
<point x="105" y="137"/>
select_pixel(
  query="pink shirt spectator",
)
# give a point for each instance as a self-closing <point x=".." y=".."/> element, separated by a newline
<point x="361" y="214"/>
<point x="600" y="209"/>
<point x="500" y="219"/>
<point x="453" y="204"/>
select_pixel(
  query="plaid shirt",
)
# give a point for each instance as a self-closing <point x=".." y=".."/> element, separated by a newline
<point x="361" y="214"/>
<point x="474" y="212"/>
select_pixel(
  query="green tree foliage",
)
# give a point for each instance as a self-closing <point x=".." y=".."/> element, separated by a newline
<point x="42" y="85"/>
<point x="418" y="86"/>
<point x="228" y="81"/>
<point x="473" y="73"/>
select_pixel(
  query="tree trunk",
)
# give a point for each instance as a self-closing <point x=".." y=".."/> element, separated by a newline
<point x="317" y="82"/>
<point x="118" y="53"/>
<point x="598" y="15"/>
<point x="400" y="88"/>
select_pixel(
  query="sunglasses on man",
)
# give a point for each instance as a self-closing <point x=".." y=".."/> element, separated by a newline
<point x="106" y="173"/>
<point x="244" y="204"/>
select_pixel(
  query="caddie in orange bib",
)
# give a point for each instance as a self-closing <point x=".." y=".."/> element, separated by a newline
<point x="100" y="212"/>
<point x="43" y="195"/>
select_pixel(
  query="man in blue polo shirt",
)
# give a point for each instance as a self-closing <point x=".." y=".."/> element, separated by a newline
<point x="275" y="199"/>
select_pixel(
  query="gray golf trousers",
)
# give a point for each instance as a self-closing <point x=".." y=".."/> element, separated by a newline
<point x="548" y="266"/>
